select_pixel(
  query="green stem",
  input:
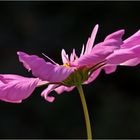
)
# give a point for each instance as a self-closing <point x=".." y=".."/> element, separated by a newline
<point x="87" y="120"/>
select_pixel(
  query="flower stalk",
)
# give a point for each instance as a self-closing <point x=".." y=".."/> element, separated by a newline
<point x="86" y="114"/>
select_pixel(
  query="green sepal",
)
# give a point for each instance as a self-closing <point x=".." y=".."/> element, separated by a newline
<point x="77" y="77"/>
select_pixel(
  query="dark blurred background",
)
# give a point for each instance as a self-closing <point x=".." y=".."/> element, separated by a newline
<point x="113" y="100"/>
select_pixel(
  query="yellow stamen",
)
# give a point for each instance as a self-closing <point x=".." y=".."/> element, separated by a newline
<point x="66" y="65"/>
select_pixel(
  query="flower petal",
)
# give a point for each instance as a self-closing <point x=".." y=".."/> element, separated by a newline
<point x="116" y="36"/>
<point x="131" y="62"/>
<point x="109" y="68"/>
<point x="132" y="40"/>
<point x="61" y="89"/>
<point x="82" y="51"/>
<point x="101" y="50"/>
<point x="73" y="56"/>
<point x="93" y="76"/>
<point x="91" y="40"/>
<point x="14" y="88"/>
<point x="96" y="56"/>
<point x="114" y="40"/>
<point x="44" y="70"/>
<point x="65" y="58"/>
<point x="57" y="88"/>
<point x="122" y="55"/>
<point x="46" y="92"/>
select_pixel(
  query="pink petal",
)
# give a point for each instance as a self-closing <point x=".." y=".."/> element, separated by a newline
<point x="46" y="92"/>
<point x="88" y="60"/>
<point x="97" y="55"/>
<point x="116" y="36"/>
<point x="64" y="56"/>
<point x="82" y="51"/>
<point x="14" y="88"/>
<point x="102" y="50"/>
<point x="93" y="76"/>
<point x="61" y="89"/>
<point x="57" y="88"/>
<point x="91" y="40"/>
<point x="114" y="40"/>
<point x="131" y="62"/>
<point x="122" y="55"/>
<point x="6" y="78"/>
<point x="132" y="40"/>
<point x="109" y="68"/>
<point x="41" y="83"/>
<point x="44" y="70"/>
<point x="73" y="56"/>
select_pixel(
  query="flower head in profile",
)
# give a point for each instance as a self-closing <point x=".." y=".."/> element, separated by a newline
<point x="75" y="70"/>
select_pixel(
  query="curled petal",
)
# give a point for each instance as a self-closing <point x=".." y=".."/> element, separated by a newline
<point x="14" y="88"/>
<point x="61" y="89"/>
<point x="46" y="92"/>
<point x="44" y="70"/>
<point x="57" y="88"/>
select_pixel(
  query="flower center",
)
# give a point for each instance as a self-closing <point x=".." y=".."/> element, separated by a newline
<point x="80" y="75"/>
<point x="66" y="65"/>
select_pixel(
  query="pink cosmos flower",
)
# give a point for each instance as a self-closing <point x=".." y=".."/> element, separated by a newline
<point x="75" y="70"/>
